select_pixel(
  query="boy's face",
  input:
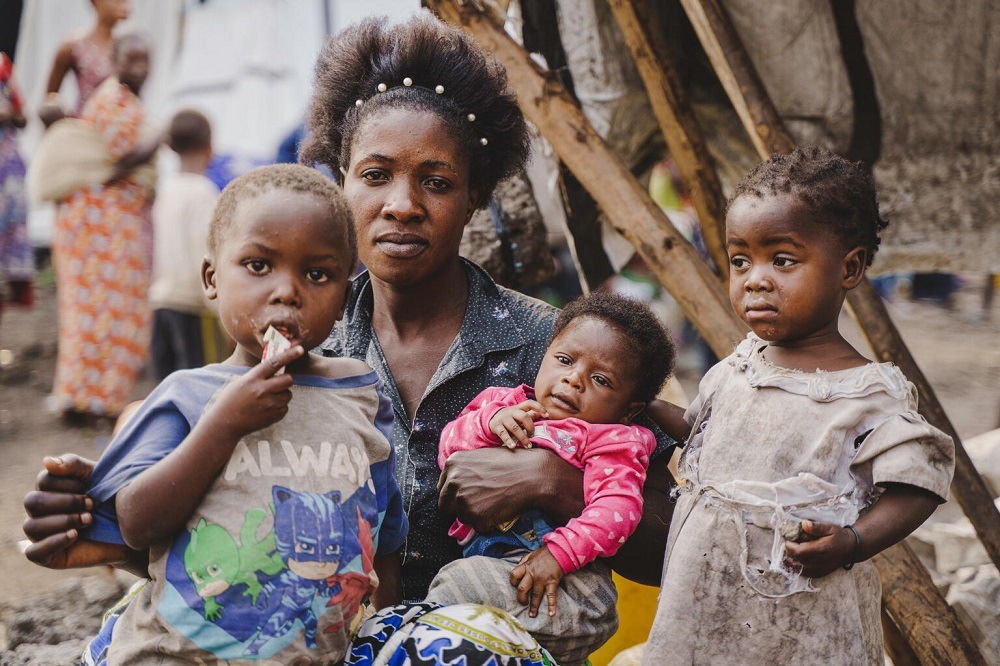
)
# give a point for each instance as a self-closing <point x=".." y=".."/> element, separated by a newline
<point x="588" y="374"/>
<point x="281" y="263"/>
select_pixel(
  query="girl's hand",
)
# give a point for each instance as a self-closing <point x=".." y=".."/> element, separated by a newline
<point x="515" y="425"/>
<point x="537" y="574"/>
<point x="257" y="399"/>
<point x="832" y="549"/>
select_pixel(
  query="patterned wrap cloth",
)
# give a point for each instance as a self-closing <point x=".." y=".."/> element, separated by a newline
<point x="102" y="251"/>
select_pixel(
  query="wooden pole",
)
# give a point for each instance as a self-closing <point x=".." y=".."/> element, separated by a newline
<point x="677" y="123"/>
<point x="930" y="626"/>
<point x="766" y="129"/>
<point x="628" y="206"/>
<point x="910" y="594"/>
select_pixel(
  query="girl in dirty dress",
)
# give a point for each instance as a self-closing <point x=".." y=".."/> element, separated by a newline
<point x="804" y="459"/>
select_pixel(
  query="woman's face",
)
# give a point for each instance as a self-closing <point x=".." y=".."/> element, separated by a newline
<point x="408" y="187"/>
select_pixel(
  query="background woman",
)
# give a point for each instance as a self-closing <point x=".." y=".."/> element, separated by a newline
<point x="16" y="254"/>
<point x="102" y="254"/>
<point x="87" y="56"/>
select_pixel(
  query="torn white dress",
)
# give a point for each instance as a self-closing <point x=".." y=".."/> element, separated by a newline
<point x="770" y="447"/>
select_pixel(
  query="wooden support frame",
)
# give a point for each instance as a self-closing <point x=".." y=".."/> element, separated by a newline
<point x="765" y="127"/>
<point x="934" y="630"/>
<point x="626" y="203"/>
<point x="678" y="125"/>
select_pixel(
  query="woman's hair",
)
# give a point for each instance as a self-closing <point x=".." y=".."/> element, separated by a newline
<point x="431" y="55"/>
<point x="840" y="193"/>
<point x="652" y="349"/>
<point x="189" y="132"/>
<point x="289" y="177"/>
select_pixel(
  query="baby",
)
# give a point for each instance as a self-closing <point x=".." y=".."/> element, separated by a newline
<point x="607" y="360"/>
<point x="267" y="499"/>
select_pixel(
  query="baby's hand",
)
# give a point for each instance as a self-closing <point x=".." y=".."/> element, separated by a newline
<point x="258" y="398"/>
<point x="516" y="424"/>
<point x="536" y="574"/>
<point x="832" y="549"/>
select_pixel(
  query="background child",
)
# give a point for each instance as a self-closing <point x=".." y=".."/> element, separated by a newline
<point x="608" y="358"/>
<point x="181" y="214"/>
<point x="804" y="458"/>
<point x="267" y="518"/>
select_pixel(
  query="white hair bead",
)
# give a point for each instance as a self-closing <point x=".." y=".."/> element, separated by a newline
<point x="439" y="89"/>
<point x="407" y="82"/>
<point x="358" y="102"/>
<point x="484" y="141"/>
<point x="471" y="117"/>
<point x="382" y="87"/>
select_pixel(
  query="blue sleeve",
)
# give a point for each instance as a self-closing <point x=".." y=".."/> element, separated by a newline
<point x="394" y="528"/>
<point x="665" y="444"/>
<point x="153" y="432"/>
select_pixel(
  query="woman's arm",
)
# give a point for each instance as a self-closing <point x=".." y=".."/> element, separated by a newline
<point x="50" y="111"/>
<point x="901" y="509"/>
<point x="488" y="487"/>
<point x="138" y="156"/>
<point x="58" y="509"/>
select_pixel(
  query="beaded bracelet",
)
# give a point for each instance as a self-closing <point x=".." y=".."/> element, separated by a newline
<point x="856" y="553"/>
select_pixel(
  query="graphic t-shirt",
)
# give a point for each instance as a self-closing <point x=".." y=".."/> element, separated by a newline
<point x="277" y="557"/>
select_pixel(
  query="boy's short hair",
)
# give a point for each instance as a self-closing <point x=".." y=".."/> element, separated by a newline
<point x="649" y="341"/>
<point x="189" y="132"/>
<point x="292" y="177"/>
<point x="840" y="193"/>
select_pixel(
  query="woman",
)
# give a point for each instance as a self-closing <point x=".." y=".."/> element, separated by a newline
<point x="101" y="252"/>
<point x="421" y="127"/>
<point x="17" y="264"/>
<point x="88" y="57"/>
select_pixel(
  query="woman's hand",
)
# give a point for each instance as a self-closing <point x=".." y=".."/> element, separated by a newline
<point x="833" y="548"/>
<point x="488" y="487"/>
<point x="57" y="510"/>
<point x="515" y="425"/>
<point x="537" y="575"/>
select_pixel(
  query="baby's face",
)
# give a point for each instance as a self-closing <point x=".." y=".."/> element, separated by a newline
<point x="282" y="263"/>
<point x="588" y="373"/>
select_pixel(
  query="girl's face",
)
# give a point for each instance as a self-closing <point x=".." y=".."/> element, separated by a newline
<point x="588" y="374"/>
<point x="788" y="274"/>
<point x="282" y="262"/>
<point x="408" y="187"/>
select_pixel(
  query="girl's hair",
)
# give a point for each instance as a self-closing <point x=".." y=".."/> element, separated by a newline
<point x="652" y="349"/>
<point x="289" y="177"/>
<point x="432" y="56"/>
<point x="839" y="192"/>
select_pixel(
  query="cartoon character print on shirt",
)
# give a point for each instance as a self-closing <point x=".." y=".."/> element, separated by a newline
<point x="251" y="599"/>
<point x="315" y="535"/>
<point x="215" y="562"/>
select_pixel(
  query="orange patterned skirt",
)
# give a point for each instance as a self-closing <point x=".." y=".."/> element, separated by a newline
<point x="102" y="253"/>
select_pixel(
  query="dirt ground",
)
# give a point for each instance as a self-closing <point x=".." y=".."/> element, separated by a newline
<point x="958" y="349"/>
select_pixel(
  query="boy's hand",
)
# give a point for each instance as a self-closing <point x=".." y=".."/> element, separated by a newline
<point x="514" y="425"/>
<point x="536" y="574"/>
<point x="258" y="398"/>
<point x="832" y="549"/>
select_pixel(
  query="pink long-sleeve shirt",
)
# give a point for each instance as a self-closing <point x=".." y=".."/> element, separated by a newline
<point x="613" y="458"/>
